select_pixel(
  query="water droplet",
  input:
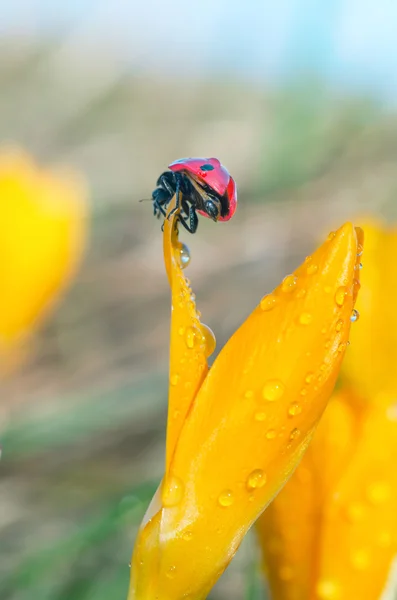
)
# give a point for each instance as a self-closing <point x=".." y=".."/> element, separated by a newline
<point x="256" y="479"/>
<point x="226" y="498"/>
<point x="341" y="347"/>
<point x="360" y="265"/>
<point x="303" y="392"/>
<point x="384" y="539"/>
<point x="184" y="254"/>
<point x="295" y="433"/>
<point x="339" y="325"/>
<point x="324" y="330"/>
<point x="174" y="379"/>
<point x="181" y="330"/>
<point x="172" y="491"/>
<point x="187" y="535"/>
<point x="260" y="416"/>
<point x="271" y="434"/>
<point x="331" y="236"/>
<point x="301" y="293"/>
<point x="309" y="377"/>
<point x="268" y="302"/>
<point x="355" y="511"/>
<point x="171" y="572"/>
<point x="354" y="316"/>
<point x="273" y="390"/>
<point x="327" y="590"/>
<point x="209" y="339"/>
<point x="289" y="283"/>
<point x="248" y="394"/>
<point x="323" y="367"/>
<point x="191" y="337"/>
<point x="294" y="409"/>
<point x="305" y="318"/>
<point x="378" y="492"/>
<point x="340" y="295"/>
<point x="311" y="269"/>
<point x="360" y="559"/>
<point x="328" y="344"/>
<point x="176" y="414"/>
<point x="360" y="249"/>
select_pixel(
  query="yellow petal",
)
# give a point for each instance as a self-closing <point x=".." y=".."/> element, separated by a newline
<point x="340" y="504"/>
<point x="191" y="341"/>
<point x="290" y="528"/>
<point x="42" y="231"/>
<point x="249" y="425"/>
<point x="370" y="369"/>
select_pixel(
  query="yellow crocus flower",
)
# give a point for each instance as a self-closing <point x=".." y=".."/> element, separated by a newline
<point x="42" y="233"/>
<point x="236" y="431"/>
<point x="331" y="534"/>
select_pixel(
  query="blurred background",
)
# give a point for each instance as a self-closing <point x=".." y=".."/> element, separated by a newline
<point x="298" y="100"/>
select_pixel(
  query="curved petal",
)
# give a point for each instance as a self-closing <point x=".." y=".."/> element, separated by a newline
<point x="191" y="341"/>
<point x="332" y="531"/>
<point x="250" y="423"/>
<point x="290" y="529"/>
<point x="42" y="233"/>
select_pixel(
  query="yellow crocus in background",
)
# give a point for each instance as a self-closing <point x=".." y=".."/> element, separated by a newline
<point x="42" y="234"/>
<point x="236" y="432"/>
<point x="331" y="533"/>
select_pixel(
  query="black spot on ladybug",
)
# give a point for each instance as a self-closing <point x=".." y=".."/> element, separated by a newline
<point x="207" y="168"/>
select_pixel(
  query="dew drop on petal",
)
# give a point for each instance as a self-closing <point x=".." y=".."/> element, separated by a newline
<point x="305" y="318"/>
<point x="294" y="409"/>
<point x="339" y="325"/>
<point x="172" y="491"/>
<point x="341" y="347"/>
<point x="209" y="339"/>
<point x="340" y="295"/>
<point x="248" y="394"/>
<point x="191" y="337"/>
<point x="309" y="377"/>
<point x="331" y="236"/>
<point x="171" y="572"/>
<point x="260" y="416"/>
<point x="268" y="302"/>
<point x="226" y="498"/>
<point x="273" y="390"/>
<point x="311" y="269"/>
<point x="184" y="254"/>
<point x="360" y="249"/>
<point x="327" y="590"/>
<point x="271" y="434"/>
<point x="378" y="492"/>
<point x="187" y="535"/>
<point x="174" y="379"/>
<point x="181" y="330"/>
<point x="256" y="479"/>
<point x="355" y="511"/>
<point x="289" y="283"/>
<point x="360" y="559"/>
<point x="354" y="316"/>
<point x="295" y="433"/>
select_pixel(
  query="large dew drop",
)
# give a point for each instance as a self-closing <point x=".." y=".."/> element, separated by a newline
<point x="226" y="498"/>
<point x="340" y="295"/>
<point x="273" y="390"/>
<point x="184" y="254"/>
<point x="172" y="492"/>
<point x="256" y="479"/>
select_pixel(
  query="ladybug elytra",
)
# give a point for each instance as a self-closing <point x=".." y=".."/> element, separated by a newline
<point x="201" y="185"/>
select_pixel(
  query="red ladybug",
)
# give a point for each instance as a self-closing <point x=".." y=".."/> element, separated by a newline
<point x="201" y="185"/>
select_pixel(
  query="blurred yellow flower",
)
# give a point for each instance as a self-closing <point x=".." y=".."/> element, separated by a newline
<point x="42" y="233"/>
<point x="331" y="533"/>
<point x="236" y="432"/>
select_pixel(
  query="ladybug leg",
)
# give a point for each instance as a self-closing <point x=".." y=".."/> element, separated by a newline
<point x="191" y="222"/>
<point x="178" y="198"/>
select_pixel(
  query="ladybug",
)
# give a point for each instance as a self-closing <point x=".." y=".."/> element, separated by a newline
<point x="201" y="185"/>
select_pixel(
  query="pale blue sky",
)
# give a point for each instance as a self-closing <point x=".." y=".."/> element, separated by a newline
<point x="353" y="43"/>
